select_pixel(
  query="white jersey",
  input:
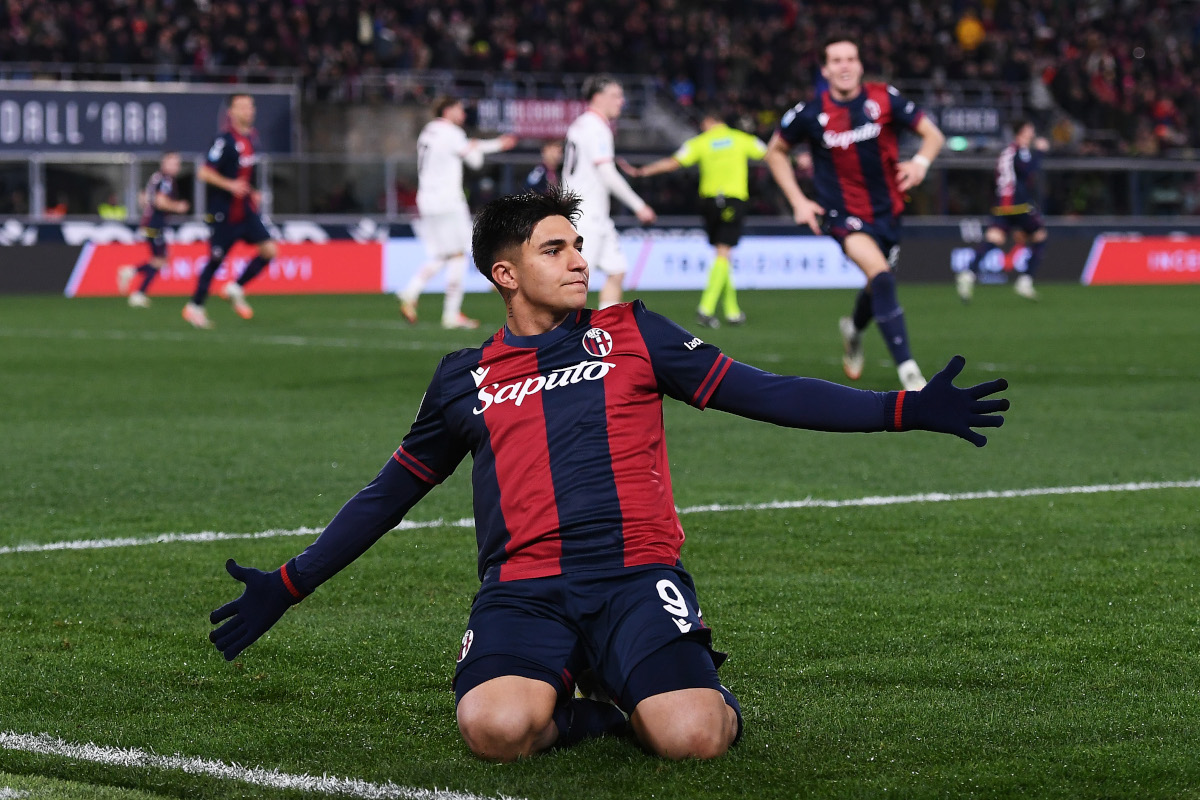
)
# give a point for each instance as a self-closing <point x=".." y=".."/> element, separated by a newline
<point x="440" y="150"/>
<point x="589" y="145"/>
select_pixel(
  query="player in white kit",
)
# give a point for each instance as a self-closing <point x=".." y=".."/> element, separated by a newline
<point x="445" y="220"/>
<point x="590" y="172"/>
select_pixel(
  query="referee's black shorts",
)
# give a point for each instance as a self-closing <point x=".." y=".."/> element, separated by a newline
<point x="723" y="217"/>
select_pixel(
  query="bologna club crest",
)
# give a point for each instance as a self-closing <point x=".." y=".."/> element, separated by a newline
<point x="872" y="109"/>
<point x="467" y="639"/>
<point x="597" y="342"/>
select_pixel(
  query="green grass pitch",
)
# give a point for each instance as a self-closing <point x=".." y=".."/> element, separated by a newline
<point x="1034" y="646"/>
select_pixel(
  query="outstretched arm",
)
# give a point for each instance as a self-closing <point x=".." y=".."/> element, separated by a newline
<point x="814" y="404"/>
<point x="368" y="515"/>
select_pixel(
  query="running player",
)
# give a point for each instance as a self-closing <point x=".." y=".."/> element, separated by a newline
<point x="590" y="172"/>
<point x="853" y="129"/>
<point x="578" y="536"/>
<point x="1016" y="172"/>
<point x="231" y="172"/>
<point x="445" y="219"/>
<point x="722" y="153"/>
<point x="159" y="201"/>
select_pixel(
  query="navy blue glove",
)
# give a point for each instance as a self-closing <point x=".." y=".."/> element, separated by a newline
<point x="266" y="597"/>
<point x="943" y="407"/>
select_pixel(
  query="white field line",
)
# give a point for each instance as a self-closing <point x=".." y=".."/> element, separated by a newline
<point x="43" y="744"/>
<point x="716" y="508"/>
<point x="80" y="334"/>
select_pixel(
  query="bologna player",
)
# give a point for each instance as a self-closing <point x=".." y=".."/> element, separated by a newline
<point x="578" y="536"/>
<point x="445" y="224"/>
<point x="590" y="171"/>
<point x="853" y="129"/>
<point x="159" y="201"/>
<point x="231" y="172"/>
<point x="545" y="174"/>
<point x="1016" y="171"/>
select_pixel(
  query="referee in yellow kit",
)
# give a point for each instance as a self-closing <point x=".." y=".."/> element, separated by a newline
<point x="722" y="153"/>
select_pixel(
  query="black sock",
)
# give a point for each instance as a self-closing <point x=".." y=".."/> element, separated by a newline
<point x="148" y="274"/>
<point x="205" y="280"/>
<point x="733" y="703"/>
<point x="889" y="316"/>
<point x="981" y="252"/>
<point x="862" y="310"/>
<point x="579" y="719"/>
<point x="255" y="266"/>
<point x="1035" y="258"/>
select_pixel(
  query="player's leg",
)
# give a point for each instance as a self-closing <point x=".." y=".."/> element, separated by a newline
<point x="149" y="270"/>
<point x="993" y="239"/>
<point x="729" y="231"/>
<point x="508" y="717"/>
<point x="701" y="719"/>
<point x="706" y="312"/>
<point x="253" y="232"/>
<point x="865" y="251"/>
<point x="646" y="638"/>
<point x="456" y="275"/>
<point x="602" y="249"/>
<point x="221" y="238"/>
<point x="441" y="244"/>
<point x="1037" y="245"/>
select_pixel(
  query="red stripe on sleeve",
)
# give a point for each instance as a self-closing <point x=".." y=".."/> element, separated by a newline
<point x="287" y="582"/>
<point x="712" y="381"/>
<point x="414" y="466"/>
<point x="898" y="416"/>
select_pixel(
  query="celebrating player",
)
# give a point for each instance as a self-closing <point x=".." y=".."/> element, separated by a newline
<point x="579" y="539"/>
<point x="589" y="171"/>
<point x="722" y="153"/>
<point x="231" y="172"/>
<point x="1016" y="170"/>
<point x="159" y="201"/>
<point x="445" y="224"/>
<point x="853" y="129"/>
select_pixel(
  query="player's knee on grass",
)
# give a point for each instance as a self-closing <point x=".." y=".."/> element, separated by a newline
<point x="508" y="718"/>
<point x="678" y="709"/>
<point x="688" y="723"/>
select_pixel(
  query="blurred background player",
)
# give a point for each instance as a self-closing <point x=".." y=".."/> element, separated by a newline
<point x="231" y="171"/>
<point x="1016" y="174"/>
<point x="722" y="153"/>
<point x="445" y="219"/>
<point x="545" y="174"/>
<point x="854" y="129"/>
<point x="159" y="201"/>
<point x="589" y="171"/>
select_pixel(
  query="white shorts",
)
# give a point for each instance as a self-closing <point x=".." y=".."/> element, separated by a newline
<point x="445" y="234"/>
<point x="602" y="246"/>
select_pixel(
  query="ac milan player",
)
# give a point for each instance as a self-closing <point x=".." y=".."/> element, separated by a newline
<point x="579" y="540"/>
<point x="231" y="171"/>
<point x="159" y="201"/>
<point x="853" y="128"/>
<point x="1016" y="170"/>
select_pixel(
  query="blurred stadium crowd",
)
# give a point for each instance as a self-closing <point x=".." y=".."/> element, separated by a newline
<point x="1124" y="69"/>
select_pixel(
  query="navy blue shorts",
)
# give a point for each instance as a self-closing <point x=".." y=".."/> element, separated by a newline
<point x="1030" y="221"/>
<point x="884" y="230"/>
<point x="157" y="240"/>
<point x="552" y="628"/>
<point x="224" y="234"/>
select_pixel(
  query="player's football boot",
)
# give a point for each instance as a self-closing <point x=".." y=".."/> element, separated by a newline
<point x="737" y="319"/>
<point x="852" y="356"/>
<point x="1024" y="287"/>
<point x="964" y="282"/>
<point x="461" y="323"/>
<point x="910" y="376"/>
<point x="408" y="310"/>
<point x="125" y="277"/>
<point x="236" y="295"/>
<point x="707" y="320"/>
<point x="138" y="300"/>
<point x="196" y="316"/>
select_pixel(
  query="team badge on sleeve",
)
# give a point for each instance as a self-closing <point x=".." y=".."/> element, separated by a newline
<point x="597" y="342"/>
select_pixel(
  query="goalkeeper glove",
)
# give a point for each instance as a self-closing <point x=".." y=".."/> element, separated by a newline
<point x="264" y="600"/>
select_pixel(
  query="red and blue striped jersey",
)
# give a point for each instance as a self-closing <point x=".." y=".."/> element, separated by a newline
<point x="153" y="217"/>
<point x="1015" y="171"/>
<point x="855" y="148"/>
<point x="566" y="433"/>
<point x="233" y="156"/>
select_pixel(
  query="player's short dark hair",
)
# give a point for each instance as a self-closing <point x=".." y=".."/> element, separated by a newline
<point x="595" y="84"/>
<point x="1019" y="123"/>
<point x="508" y="222"/>
<point x="442" y="103"/>
<point x="835" y="37"/>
